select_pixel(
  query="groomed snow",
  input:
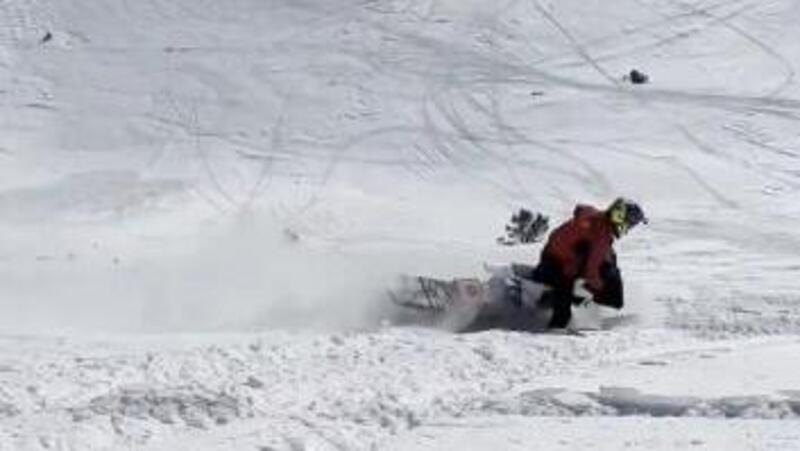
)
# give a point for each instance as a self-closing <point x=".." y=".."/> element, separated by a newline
<point x="202" y="202"/>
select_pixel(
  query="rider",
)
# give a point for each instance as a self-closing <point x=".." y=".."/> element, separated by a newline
<point x="578" y="262"/>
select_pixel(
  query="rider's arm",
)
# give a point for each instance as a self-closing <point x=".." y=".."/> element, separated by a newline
<point x="597" y="254"/>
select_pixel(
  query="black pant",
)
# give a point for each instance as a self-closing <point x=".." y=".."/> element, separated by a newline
<point x="560" y="298"/>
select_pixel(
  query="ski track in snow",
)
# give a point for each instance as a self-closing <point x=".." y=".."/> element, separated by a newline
<point x="199" y="202"/>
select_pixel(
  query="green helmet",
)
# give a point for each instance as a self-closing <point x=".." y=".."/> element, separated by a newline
<point x="624" y="215"/>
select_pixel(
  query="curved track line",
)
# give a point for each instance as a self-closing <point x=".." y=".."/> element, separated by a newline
<point x="788" y="67"/>
<point x="685" y="132"/>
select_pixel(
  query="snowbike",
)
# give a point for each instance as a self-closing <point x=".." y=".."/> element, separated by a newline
<point x="509" y="299"/>
<point x="469" y="304"/>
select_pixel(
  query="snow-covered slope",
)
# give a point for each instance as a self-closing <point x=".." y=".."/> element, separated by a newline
<point x="201" y="203"/>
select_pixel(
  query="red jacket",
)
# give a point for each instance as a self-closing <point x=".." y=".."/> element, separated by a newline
<point x="579" y="246"/>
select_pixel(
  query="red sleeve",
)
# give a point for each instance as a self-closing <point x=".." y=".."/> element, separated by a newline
<point x="597" y="255"/>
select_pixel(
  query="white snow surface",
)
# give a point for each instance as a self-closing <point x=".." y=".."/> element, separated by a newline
<point x="202" y="202"/>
